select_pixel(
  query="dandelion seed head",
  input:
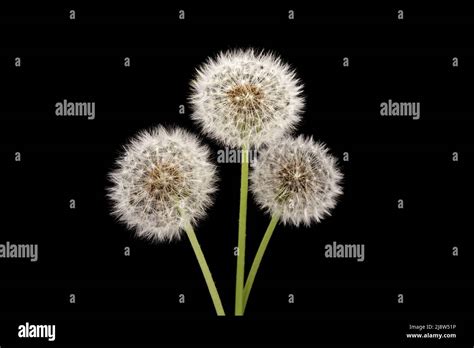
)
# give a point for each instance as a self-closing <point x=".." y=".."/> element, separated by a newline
<point x="162" y="180"/>
<point x="243" y="97"/>
<point x="297" y="178"/>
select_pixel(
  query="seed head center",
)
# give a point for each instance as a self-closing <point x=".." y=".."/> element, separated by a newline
<point x="294" y="177"/>
<point x="246" y="97"/>
<point x="163" y="181"/>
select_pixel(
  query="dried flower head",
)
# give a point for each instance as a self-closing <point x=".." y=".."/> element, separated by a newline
<point x="163" y="179"/>
<point x="297" y="178"/>
<point x="246" y="98"/>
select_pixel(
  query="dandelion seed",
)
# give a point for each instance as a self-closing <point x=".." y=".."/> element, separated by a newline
<point x="297" y="179"/>
<point x="244" y="98"/>
<point x="163" y="180"/>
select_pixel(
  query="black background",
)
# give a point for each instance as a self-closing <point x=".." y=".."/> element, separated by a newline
<point x="131" y="300"/>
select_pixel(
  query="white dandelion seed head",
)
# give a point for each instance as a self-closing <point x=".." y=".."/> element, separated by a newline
<point x="163" y="180"/>
<point x="297" y="178"/>
<point x="243" y="97"/>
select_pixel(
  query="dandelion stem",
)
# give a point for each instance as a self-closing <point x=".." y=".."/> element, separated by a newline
<point x="205" y="270"/>
<point x="240" y="275"/>
<point x="258" y="257"/>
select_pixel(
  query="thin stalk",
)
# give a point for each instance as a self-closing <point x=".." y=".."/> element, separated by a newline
<point x="205" y="270"/>
<point x="259" y="256"/>
<point x="240" y="274"/>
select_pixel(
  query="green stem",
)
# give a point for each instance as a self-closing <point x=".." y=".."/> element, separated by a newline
<point x="239" y="283"/>
<point x="205" y="269"/>
<point x="259" y="256"/>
